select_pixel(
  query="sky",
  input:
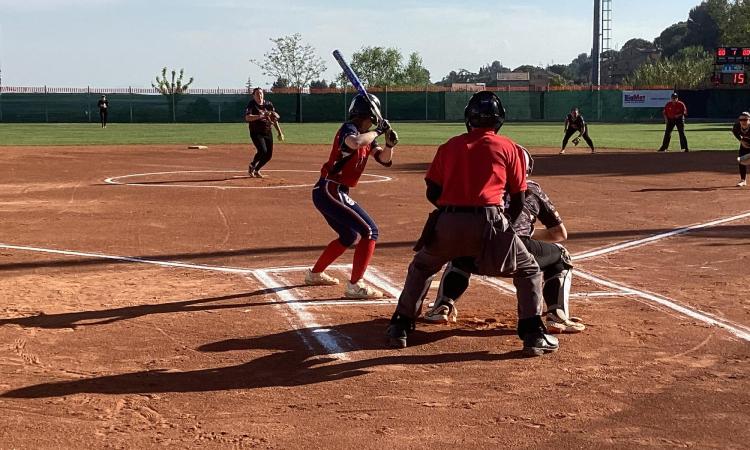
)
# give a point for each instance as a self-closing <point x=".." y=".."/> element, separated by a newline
<point x="121" y="43"/>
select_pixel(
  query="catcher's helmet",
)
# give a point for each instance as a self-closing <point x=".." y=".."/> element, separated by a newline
<point x="484" y="110"/>
<point x="527" y="159"/>
<point x="360" y="108"/>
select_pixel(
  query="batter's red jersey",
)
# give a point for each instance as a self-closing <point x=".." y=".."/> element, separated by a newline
<point x="346" y="165"/>
<point x="675" y="110"/>
<point x="476" y="168"/>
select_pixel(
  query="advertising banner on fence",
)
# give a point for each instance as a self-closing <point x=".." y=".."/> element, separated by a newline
<point x="645" y="99"/>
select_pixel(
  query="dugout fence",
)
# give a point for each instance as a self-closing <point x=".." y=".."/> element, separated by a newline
<point x="131" y="105"/>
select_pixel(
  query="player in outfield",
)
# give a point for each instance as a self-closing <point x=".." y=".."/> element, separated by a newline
<point x="574" y="123"/>
<point x="674" y="116"/>
<point x="260" y="116"/>
<point x="741" y="131"/>
<point x="466" y="181"/>
<point x="352" y="147"/>
<point x="544" y="244"/>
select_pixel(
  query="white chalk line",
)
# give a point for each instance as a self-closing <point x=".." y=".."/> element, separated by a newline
<point x="656" y="237"/>
<point x="326" y="339"/>
<point x="116" y="180"/>
<point x="236" y="270"/>
<point x="738" y="330"/>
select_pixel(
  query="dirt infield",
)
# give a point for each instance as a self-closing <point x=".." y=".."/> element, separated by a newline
<point x="153" y="297"/>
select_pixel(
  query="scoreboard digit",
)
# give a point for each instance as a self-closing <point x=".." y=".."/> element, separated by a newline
<point x="732" y="55"/>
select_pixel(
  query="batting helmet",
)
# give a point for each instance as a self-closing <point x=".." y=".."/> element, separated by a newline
<point x="484" y="110"/>
<point x="360" y="108"/>
<point x="527" y="159"/>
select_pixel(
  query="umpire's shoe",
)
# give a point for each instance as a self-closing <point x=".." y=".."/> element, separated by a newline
<point x="536" y="340"/>
<point x="398" y="330"/>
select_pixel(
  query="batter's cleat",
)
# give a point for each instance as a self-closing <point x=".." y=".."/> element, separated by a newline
<point x="257" y="174"/>
<point x="361" y="291"/>
<point x="742" y="183"/>
<point x="319" y="279"/>
<point x="558" y="322"/>
<point x="685" y="150"/>
<point x="562" y="152"/>
<point x="662" y="150"/>
<point x="442" y="311"/>
<point x="538" y="343"/>
<point x="398" y="331"/>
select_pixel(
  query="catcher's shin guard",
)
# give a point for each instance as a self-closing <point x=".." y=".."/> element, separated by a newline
<point x="556" y="291"/>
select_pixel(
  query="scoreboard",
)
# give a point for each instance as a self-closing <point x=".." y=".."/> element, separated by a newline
<point x="732" y="64"/>
<point x="733" y="55"/>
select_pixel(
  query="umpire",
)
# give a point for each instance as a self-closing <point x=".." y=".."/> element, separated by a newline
<point x="466" y="181"/>
<point x="674" y="116"/>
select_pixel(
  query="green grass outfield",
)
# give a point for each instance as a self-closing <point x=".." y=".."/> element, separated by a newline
<point x="702" y="136"/>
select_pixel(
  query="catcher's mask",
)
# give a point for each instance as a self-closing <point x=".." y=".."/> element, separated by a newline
<point x="527" y="159"/>
<point x="360" y="108"/>
<point x="484" y="110"/>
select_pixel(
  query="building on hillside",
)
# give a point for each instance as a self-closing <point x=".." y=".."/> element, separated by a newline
<point x="537" y="80"/>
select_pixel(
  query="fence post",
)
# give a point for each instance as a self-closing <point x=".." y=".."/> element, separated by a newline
<point x="425" y="103"/>
<point x="88" y="103"/>
<point x="130" y="101"/>
<point x="46" y="106"/>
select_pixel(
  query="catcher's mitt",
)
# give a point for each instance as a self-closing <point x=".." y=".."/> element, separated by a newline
<point x="576" y="141"/>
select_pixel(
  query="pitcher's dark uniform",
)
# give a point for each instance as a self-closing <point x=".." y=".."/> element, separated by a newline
<point x="260" y="131"/>
<point x="466" y="181"/>
<point x="741" y="130"/>
<point x="103" y="105"/>
<point x="574" y="123"/>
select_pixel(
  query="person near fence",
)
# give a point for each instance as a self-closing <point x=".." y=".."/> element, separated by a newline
<point x="674" y="114"/>
<point x="544" y="244"/>
<point x="260" y="116"/>
<point x="741" y="131"/>
<point x="466" y="181"/>
<point x="103" y="105"/>
<point x="351" y="149"/>
<point x="574" y="123"/>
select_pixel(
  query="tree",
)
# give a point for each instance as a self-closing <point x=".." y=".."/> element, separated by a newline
<point x="173" y="89"/>
<point x="292" y="60"/>
<point x="319" y="84"/>
<point x="672" y="39"/>
<point x="377" y="66"/>
<point x="690" y="68"/>
<point x="280" y="83"/>
<point x="414" y="73"/>
<point x="705" y="23"/>
<point x="737" y="31"/>
<point x="249" y="84"/>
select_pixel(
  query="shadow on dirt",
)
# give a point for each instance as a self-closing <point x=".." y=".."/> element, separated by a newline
<point x="604" y="163"/>
<point x="293" y="365"/>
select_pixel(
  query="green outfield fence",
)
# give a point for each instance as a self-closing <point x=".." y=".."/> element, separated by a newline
<point x="432" y="104"/>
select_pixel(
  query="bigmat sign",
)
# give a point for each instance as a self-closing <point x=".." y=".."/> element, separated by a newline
<point x="645" y="99"/>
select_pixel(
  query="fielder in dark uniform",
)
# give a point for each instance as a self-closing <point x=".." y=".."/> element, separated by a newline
<point x="574" y="123"/>
<point x="103" y="105"/>
<point x="674" y="116"/>
<point x="351" y="149"/>
<point x="741" y="130"/>
<point x="553" y="259"/>
<point x="260" y="116"/>
<point x="466" y="181"/>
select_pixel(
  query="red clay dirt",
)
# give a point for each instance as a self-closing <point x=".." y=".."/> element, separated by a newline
<point x="136" y="353"/>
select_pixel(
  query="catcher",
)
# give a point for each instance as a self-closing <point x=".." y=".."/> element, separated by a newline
<point x="741" y="131"/>
<point x="553" y="259"/>
<point x="574" y="123"/>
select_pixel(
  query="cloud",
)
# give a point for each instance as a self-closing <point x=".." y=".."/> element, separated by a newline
<point x="50" y="5"/>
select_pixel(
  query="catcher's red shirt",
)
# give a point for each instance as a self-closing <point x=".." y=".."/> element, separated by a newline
<point x="476" y="168"/>
<point x="674" y="110"/>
